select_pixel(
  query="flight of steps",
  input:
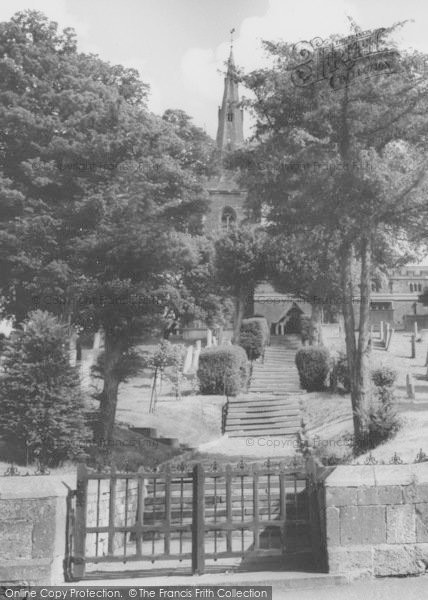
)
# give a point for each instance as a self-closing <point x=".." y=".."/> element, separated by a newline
<point x="271" y="407"/>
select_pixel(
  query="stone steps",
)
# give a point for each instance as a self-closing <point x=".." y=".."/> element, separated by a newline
<point x="271" y="407"/>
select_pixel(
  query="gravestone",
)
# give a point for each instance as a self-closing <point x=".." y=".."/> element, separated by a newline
<point x="410" y="386"/>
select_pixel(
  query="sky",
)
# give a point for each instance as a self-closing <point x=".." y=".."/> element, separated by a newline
<point x="180" y="46"/>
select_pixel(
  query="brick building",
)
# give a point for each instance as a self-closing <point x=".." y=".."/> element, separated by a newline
<point x="397" y="300"/>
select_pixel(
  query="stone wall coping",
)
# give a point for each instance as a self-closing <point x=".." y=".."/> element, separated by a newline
<point x="377" y="475"/>
<point x="32" y="486"/>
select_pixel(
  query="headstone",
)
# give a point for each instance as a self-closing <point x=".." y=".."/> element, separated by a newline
<point x="413" y="346"/>
<point x="410" y="386"/>
<point x="73" y="350"/>
<point x="391" y="332"/>
<point x="214" y="340"/>
<point x="209" y="338"/>
<point x="196" y="353"/>
<point x="386" y="330"/>
<point x="188" y="360"/>
<point x="381" y="331"/>
<point x="97" y="341"/>
<point x="415" y="329"/>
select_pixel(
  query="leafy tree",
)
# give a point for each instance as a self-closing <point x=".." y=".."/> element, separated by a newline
<point x="102" y="195"/>
<point x="348" y="162"/>
<point x="240" y="266"/>
<point x="307" y="267"/>
<point x="41" y="407"/>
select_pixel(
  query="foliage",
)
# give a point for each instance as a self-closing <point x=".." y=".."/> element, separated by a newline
<point x="240" y="265"/>
<point x="384" y="376"/>
<point x="305" y="325"/>
<point x="340" y="374"/>
<point x="223" y="370"/>
<point x="358" y="192"/>
<point x="254" y="336"/>
<point x="251" y="339"/>
<point x="168" y="355"/>
<point x="98" y="197"/>
<point x="313" y="364"/>
<point x="41" y="407"/>
<point x="381" y="418"/>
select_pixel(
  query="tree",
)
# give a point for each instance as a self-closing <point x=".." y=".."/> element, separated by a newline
<point x="103" y="196"/>
<point x="240" y="266"/>
<point x="306" y="267"/>
<point x="348" y="161"/>
<point x="41" y="406"/>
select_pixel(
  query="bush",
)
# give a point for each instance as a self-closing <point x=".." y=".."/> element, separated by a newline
<point x="384" y="377"/>
<point x="41" y="407"/>
<point x="313" y="364"/>
<point x="305" y="328"/>
<point x="254" y="336"/>
<point x="223" y="370"/>
<point x="381" y="419"/>
<point x="340" y="374"/>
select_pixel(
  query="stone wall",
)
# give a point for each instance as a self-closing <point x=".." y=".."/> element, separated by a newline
<point x="376" y="519"/>
<point x="32" y="530"/>
<point x="97" y="514"/>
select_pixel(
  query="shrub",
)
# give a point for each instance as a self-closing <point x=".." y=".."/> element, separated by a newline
<point x="223" y="370"/>
<point x="305" y="328"/>
<point x="340" y="374"/>
<point x="254" y="336"/>
<point x="380" y="419"/>
<point x="313" y="364"/>
<point x="41" y="407"/>
<point x="262" y="324"/>
<point x="384" y="377"/>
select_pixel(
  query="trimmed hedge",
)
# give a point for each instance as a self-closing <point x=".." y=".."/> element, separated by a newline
<point x="254" y="336"/>
<point x="313" y="364"/>
<point x="223" y="370"/>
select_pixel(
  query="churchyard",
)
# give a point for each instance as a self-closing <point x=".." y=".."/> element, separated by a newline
<point x="209" y="367"/>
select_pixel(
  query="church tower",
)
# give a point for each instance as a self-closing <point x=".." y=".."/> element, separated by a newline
<point x="230" y="132"/>
<point x="227" y="198"/>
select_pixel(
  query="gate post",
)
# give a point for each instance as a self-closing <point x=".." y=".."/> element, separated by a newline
<point x="198" y="520"/>
<point x="80" y="522"/>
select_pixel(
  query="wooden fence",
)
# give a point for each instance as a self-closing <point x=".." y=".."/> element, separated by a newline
<point x="193" y="515"/>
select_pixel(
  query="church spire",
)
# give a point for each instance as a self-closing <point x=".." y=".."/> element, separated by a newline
<point x="230" y="132"/>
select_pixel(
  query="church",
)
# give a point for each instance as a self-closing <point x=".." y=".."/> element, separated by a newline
<point x="227" y="201"/>
<point x="395" y="302"/>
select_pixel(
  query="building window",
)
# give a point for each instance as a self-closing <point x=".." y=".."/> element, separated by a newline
<point x="419" y="287"/>
<point x="230" y="116"/>
<point x="411" y="287"/>
<point x="228" y="217"/>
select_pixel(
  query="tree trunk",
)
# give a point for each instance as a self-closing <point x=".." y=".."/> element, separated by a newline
<point x="112" y="353"/>
<point x="240" y="303"/>
<point x="349" y="326"/>
<point x="315" y="332"/>
<point x="362" y="382"/>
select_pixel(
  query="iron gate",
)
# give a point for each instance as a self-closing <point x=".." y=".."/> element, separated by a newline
<point x="193" y="516"/>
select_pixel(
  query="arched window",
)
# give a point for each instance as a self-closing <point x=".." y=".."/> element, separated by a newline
<point x="411" y="287"/>
<point x="230" y="116"/>
<point x="228" y="217"/>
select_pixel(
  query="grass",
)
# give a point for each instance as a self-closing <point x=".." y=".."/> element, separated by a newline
<point x="329" y="416"/>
